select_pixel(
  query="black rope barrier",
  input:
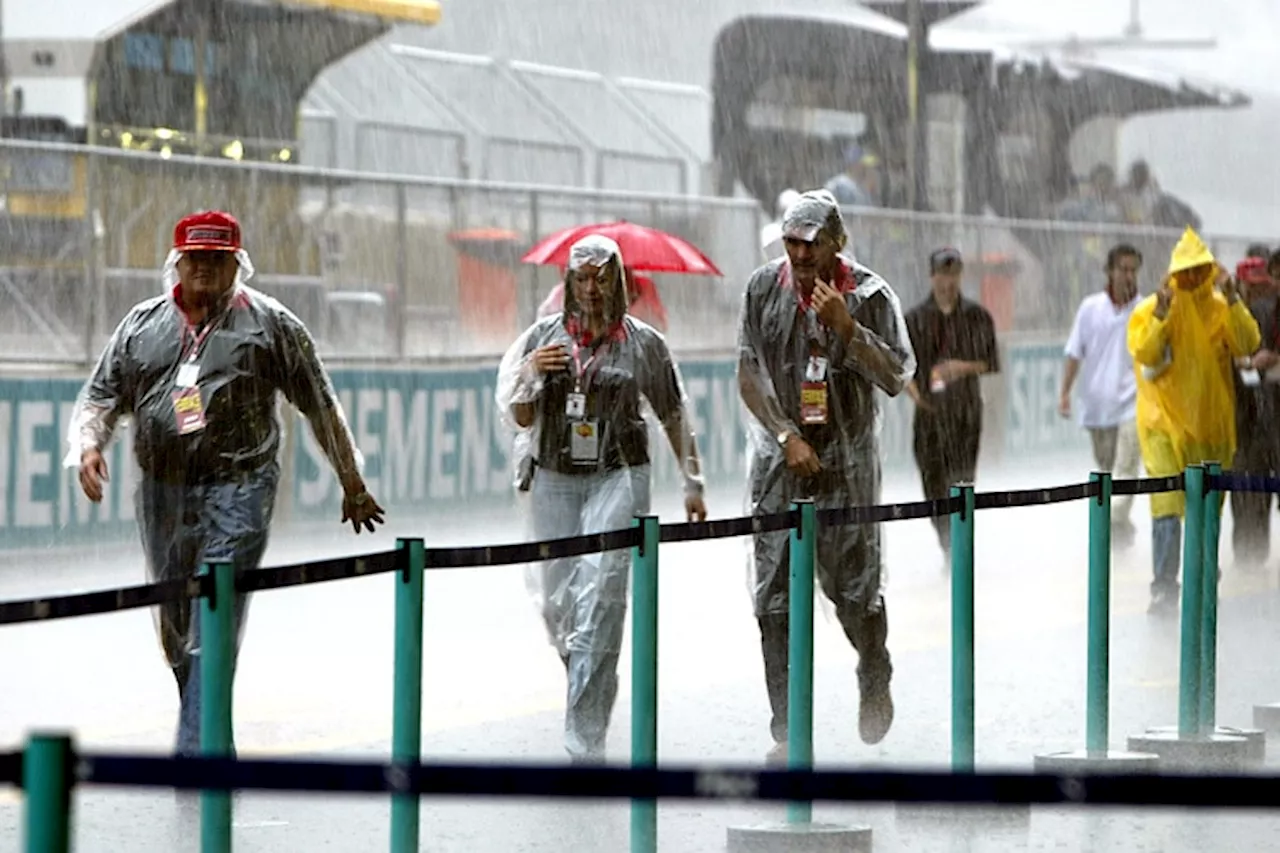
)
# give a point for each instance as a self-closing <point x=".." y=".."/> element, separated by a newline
<point x="1034" y="497"/>
<point x="1233" y="482"/>
<point x="529" y="552"/>
<point x="341" y="568"/>
<point x="689" y="783"/>
<point x="99" y="601"/>
<point x="1149" y="486"/>
<point x="888" y="512"/>
<point x="727" y="528"/>
<point x="10" y="768"/>
<point x="278" y="577"/>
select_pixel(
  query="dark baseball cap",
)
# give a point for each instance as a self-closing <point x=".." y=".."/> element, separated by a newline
<point x="944" y="257"/>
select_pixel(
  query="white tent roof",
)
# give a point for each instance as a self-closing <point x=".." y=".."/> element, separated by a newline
<point x="74" y="19"/>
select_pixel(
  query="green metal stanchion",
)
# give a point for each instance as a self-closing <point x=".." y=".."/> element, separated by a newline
<point x="46" y="780"/>
<point x="217" y="668"/>
<point x="1097" y="736"/>
<point x="406" y="712"/>
<point x="644" y="677"/>
<point x="962" y="698"/>
<point x="1192" y="603"/>
<point x="1209" y="607"/>
<point x="804" y="540"/>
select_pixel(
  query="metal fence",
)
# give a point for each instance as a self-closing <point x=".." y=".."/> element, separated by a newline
<point x="404" y="268"/>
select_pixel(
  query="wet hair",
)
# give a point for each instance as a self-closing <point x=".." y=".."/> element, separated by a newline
<point x="1258" y="250"/>
<point x="1122" y="250"/>
<point x="615" y="293"/>
<point x="1273" y="263"/>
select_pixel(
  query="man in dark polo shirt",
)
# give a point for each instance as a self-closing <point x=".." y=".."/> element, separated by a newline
<point x="954" y="340"/>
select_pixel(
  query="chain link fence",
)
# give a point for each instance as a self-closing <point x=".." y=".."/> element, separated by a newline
<point x="387" y="267"/>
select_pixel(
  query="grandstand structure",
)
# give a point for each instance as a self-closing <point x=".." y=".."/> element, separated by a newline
<point x="393" y="159"/>
<point x="475" y="116"/>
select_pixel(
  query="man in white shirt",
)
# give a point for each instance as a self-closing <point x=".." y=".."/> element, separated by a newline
<point x="1097" y="351"/>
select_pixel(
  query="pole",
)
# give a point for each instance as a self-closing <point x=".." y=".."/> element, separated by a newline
<point x="962" y="725"/>
<point x="1099" y="678"/>
<point x="1192" y="600"/>
<point x="46" y="779"/>
<point x="644" y="677"/>
<point x="804" y="540"/>
<point x="217" y="668"/>
<point x="917" y="45"/>
<point x="406" y="709"/>
<point x="1209" y="607"/>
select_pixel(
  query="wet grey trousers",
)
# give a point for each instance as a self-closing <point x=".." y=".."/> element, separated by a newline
<point x="182" y="527"/>
<point x="1166" y="551"/>
<point x="584" y="599"/>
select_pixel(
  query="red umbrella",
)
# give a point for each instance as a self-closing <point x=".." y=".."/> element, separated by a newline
<point x="642" y="248"/>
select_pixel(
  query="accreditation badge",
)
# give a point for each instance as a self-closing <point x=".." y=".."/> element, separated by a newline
<point x="813" y="392"/>
<point x="188" y="409"/>
<point x="584" y="442"/>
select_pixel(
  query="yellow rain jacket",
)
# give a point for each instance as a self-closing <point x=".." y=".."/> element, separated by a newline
<point x="1186" y="399"/>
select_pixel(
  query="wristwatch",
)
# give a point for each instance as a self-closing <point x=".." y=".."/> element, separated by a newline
<point x="783" y="436"/>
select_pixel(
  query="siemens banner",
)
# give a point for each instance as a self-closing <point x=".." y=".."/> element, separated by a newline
<point x="41" y="504"/>
<point x="432" y="440"/>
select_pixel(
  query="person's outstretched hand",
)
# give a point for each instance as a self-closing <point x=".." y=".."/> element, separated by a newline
<point x="362" y="510"/>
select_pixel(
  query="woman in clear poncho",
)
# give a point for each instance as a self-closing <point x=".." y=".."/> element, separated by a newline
<point x="1184" y="341"/>
<point x="575" y="386"/>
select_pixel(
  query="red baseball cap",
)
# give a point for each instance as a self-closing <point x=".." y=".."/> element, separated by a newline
<point x="1253" y="271"/>
<point x="208" y="231"/>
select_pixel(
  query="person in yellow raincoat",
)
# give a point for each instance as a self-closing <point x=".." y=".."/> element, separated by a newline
<point x="1184" y="341"/>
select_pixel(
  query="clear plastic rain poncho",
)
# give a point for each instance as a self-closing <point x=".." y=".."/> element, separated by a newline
<point x="1184" y="366"/>
<point x="778" y="334"/>
<point x="209" y="465"/>
<point x="584" y="457"/>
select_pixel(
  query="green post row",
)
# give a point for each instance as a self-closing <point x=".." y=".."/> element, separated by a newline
<point x="406" y="710"/>
<point x="644" y="677"/>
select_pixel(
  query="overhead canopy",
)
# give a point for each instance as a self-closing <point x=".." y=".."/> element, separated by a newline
<point x="97" y="20"/>
<point x="931" y="11"/>
<point x="755" y="48"/>
<point x="242" y="88"/>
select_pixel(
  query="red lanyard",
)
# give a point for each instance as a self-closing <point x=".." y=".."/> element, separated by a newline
<point x="197" y="339"/>
<point x="580" y="380"/>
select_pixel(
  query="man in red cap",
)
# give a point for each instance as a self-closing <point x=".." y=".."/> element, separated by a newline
<point x="198" y="370"/>
<point x="1257" y="407"/>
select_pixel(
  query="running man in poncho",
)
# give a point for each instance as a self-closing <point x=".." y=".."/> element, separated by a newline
<point x="1185" y="340"/>
<point x="575" y="385"/>
<point x="819" y="334"/>
<point x="198" y="370"/>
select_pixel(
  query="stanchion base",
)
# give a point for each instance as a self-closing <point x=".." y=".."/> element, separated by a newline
<point x="1111" y="761"/>
<point x="1215" y="752"/>
<point x="799" y="838"/>
<point x="1267" y="718"/>
<point x="1255" y="751"/>
<point x="967" y="818"/>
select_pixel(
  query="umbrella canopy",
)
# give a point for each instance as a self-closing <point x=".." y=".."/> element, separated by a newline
<point x="642" y="248"/>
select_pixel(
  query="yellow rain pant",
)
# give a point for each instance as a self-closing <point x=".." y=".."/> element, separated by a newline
<point x="1161" y="459"/>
